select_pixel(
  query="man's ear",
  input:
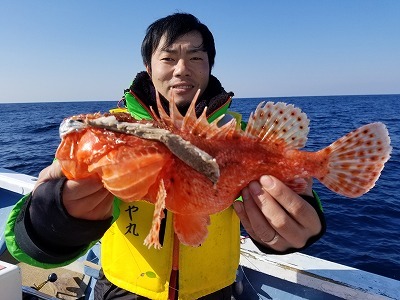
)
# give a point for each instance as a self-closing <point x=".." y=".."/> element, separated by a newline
<point x="148" y="69"/>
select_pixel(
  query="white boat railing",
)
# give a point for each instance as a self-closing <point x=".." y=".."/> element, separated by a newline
<point x="16" y="182"/>
<point x="311" y="272"/>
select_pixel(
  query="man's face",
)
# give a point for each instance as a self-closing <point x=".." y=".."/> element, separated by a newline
<point x="180" y="70"/>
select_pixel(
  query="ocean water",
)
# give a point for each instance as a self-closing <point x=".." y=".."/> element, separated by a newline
<point x="363" y="233"/>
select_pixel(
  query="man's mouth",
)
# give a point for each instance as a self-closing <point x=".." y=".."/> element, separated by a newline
<point x="182" y="87"/>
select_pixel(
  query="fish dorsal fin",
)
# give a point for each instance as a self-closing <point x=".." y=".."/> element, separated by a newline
<point x="279" y="122"/>
<point x="192" y="124"/>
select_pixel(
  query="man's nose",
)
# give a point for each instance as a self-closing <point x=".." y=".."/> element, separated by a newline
<point x="182" y="68"/>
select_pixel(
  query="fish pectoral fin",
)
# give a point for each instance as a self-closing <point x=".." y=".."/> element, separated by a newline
<point x="191" y="229"/>
<point x="152" y="238"/>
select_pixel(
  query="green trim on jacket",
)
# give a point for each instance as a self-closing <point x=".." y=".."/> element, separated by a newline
<point x="140" y="112"/>
<point x="135" y="108"/>
<point x="20" y="255"/>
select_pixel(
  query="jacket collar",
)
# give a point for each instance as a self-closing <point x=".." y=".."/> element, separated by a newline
<point x="141" y="96"/>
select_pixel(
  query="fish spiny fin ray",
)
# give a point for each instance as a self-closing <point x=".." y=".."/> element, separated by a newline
<point x="225" y="131"/>
<point x="164" y="117"/>
<point x="152" y="238"/>
<point x="199" y="126"/>
<point x="356" y="160"/>
<point x="176" y="116"/>
<point x="190" y="116"/>
<point x="279" y="122"/>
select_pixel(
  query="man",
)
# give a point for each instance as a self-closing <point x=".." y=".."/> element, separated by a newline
<point x="63" y="218"/>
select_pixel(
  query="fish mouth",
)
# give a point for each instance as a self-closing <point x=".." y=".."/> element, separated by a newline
<point x="71" y="125"/>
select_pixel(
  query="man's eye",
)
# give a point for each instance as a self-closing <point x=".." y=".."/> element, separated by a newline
<point x="167" y="59"/>
<point x="197" y="58"/>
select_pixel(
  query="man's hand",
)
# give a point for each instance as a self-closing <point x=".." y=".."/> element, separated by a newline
<point x="276" y="216"/>
<point x="84" y="198"/>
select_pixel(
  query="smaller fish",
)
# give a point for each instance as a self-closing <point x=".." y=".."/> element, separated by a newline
<point x="134" y="167"/>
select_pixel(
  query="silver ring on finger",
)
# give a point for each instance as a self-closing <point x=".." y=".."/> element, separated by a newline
<point x="273" y="240"/>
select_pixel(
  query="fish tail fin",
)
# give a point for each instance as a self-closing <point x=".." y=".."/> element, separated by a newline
<point x="356" y="160"/>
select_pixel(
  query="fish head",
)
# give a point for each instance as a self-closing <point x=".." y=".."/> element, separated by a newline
<point x="71" y="125"/>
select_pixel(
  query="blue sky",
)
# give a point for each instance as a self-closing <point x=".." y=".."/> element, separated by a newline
<point x="90" y="50"/>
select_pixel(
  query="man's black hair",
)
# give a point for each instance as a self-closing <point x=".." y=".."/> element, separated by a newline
<point x="174" y="26"/>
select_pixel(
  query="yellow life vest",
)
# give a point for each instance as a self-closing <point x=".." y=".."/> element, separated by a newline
<point x="130" y="265"/>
